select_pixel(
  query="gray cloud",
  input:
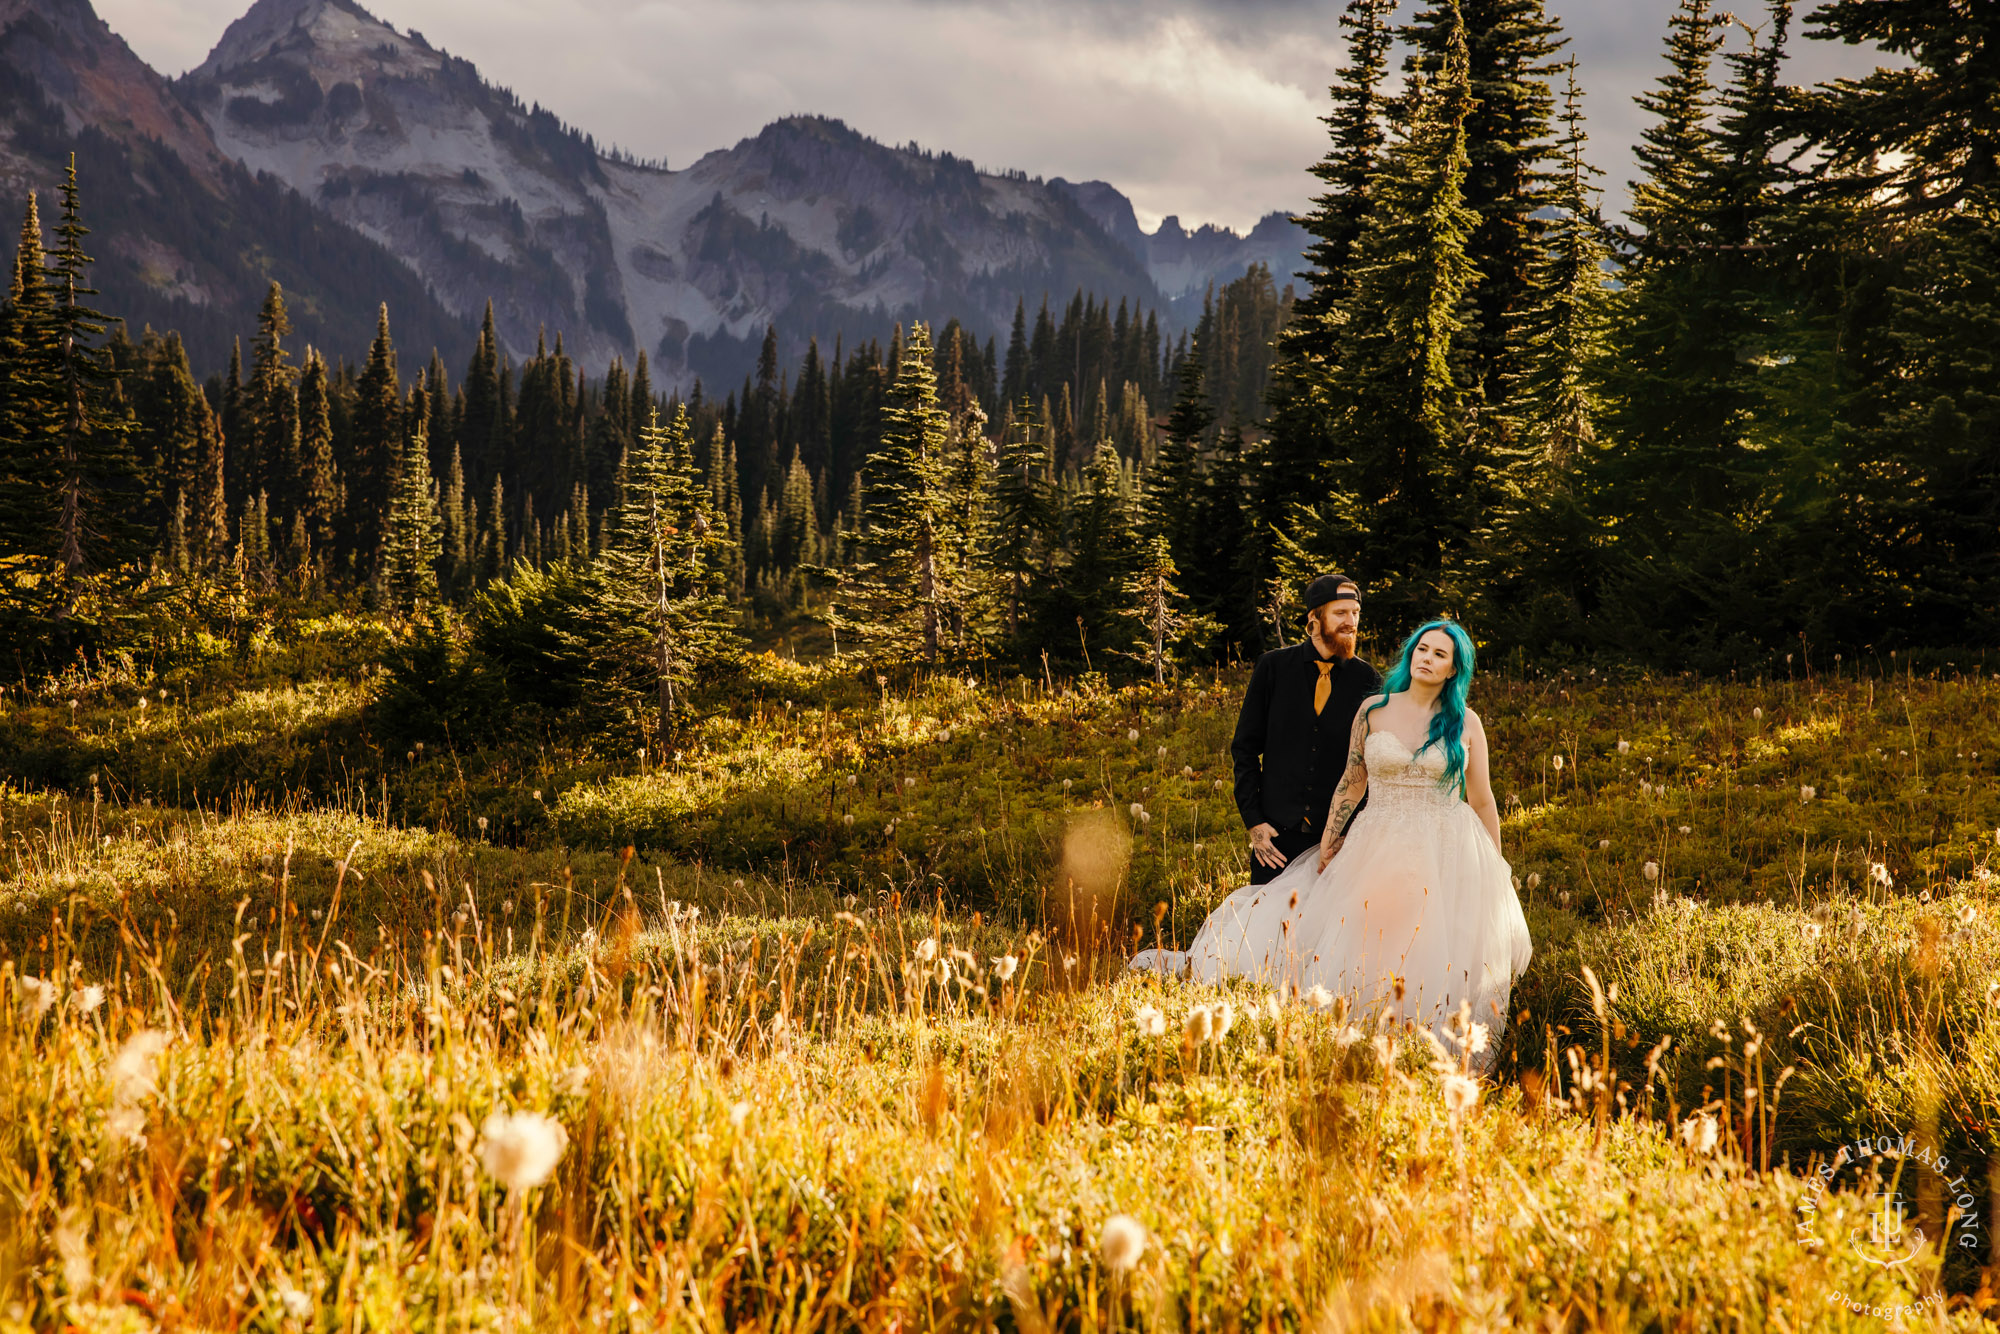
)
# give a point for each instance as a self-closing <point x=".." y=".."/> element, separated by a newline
<point x="1202" y="108"/>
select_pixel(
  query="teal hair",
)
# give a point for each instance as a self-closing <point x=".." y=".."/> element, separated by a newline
<point x="1448" y="726"/>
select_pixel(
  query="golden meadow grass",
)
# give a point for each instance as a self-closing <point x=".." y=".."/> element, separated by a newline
<point x="266" y="1039"/>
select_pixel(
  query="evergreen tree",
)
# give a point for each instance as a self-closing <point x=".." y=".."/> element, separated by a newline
<point x="378" y="442"/>
<point x="410" y="546"/>
<point x="31" y="415"/>
<point x="1408" y="483"/>
<point x="320" y="493"/>
<point x="664" y="564"/>
<point x="272" y="442"/>
<point x="209" y="526"/>
<point x="1159" y="609"/>
<point x="899" y="594"/>
<point x="1019" y="524"/>
<point x="96" y="473"/>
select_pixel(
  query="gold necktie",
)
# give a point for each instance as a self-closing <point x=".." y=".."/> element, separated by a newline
<point x="1323" y="688"/>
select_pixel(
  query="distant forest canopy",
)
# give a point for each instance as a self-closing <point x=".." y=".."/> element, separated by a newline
<point x="1756" y="419"/>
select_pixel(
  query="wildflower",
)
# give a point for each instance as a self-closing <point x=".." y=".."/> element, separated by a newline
<point x="1698" y="1133"/>
<point x="1812" y="931"/>
<point x="881" y="680"/>
<point x="482" y="824"/>
<point x="410" y="757"/>
<point x="1198" y="1026"/>
<point x="910" y="782"/>
<point x="520" y="1149"/>
<point x="1004" y="966"/>
<point x="1385" y="1048"/>
<point x="1131" y="734"/>
<point x="738" y="1114"/>
<point x="1220" y="784"/>
<point x="1461" y="1094"/>
<point x="927" y="949"/>
<point x="1565" y="898"/>
<point x="86" y="999"/>
<point x="1651" y="870"/>
<point x="297" y="1305"/>
<point x="1879" y="873"/>
<point x="1225" y="1015"/>
<point x="1346" y="1036"/>
<point x="1187" y="771"/>
<point x="1066" y="784"/>
<point x="1604" y="845"/>
<point x="1161" y="752"/>
<point x="1069" y="962"/>
<point x="1966" y="913"/>
<point x="1319" y="997"/>
<point x="1624" y="748"/>
<point x="1687" y="829"/>
<point x="132" y="1070"/>
<point x="1558" y="762"/>
<point x="34" y="996"/>
<point x="854" y="780"/>
<point x="1534" y="880"/>
<point x="1137" y="810"/>
<point x="1757" y="712"/>
<point x="847" y="820"/>
<point x="641" y="752"/>
<point x="538" y="794"/>
<point x="1150" y="1022"/>
<point x="1122" y="1243"/>
<point x="1807" y="792"/>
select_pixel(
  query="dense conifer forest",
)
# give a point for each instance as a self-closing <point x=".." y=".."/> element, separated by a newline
<point x="1752" y="418"/>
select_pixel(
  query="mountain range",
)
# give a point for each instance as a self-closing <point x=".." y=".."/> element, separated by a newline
<point x="356" y="164"/>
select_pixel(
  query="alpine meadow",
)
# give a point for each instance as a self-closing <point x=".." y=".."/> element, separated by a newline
<point x="586" y="746"/>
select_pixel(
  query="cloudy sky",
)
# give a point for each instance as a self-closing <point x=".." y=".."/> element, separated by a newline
<point x="1200" y="108"/>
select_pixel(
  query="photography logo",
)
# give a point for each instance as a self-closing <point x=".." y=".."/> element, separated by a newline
<point x="1892" y="1173"/>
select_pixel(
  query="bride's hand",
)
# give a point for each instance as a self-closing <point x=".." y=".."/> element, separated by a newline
<point x="1326" y="851"/>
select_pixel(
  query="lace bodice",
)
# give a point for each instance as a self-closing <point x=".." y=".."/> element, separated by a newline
<point x="1400" y="786"/>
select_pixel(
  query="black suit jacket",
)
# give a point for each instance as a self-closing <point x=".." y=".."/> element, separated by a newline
<point x="1289" y="759"/>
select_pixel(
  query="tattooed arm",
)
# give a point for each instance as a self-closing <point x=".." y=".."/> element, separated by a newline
<point x="1353" y="787"/>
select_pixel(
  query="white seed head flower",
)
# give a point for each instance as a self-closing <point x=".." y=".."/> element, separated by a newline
<point x="1534" y="880"/>
<point x="133" y="1072"/>
<point x="34" y="995"/>
<point x="1698" y="1133"/>
<point x="1199" y="1025"/>
<point x="1879" y="873"/>
<point x="86" y="999"/>
<point x="1385" y="1048"/>
<point x="1319" y="997"/>
<point x="482" y="824"/>
<point x="738" y="1114"/>
<point x="1624" y="748"/>
<point x="1812" y="931"/>
<point x="1651" y="870"/>
<point x="1122" y="1242"/>
<point x="1967" y="913"/>
<point x="1225" y="1017"/>
<point x="1187" y="771"/>
<point x="1558" y="762"/>
<point x="520" y="1149"/>
<point x="1687" y="829"/>
<point x="1161" y="752"/>
<point x="1137" y="810"/>
<point x="1757" y="712"/>
<point x="1151" y="1023"/>
<point x="1131" y="734"/>
<point x="1476" y="1041"/>
<point x="1807" y="792"/>
<point x="1604" y="845"/>
<point x="927" y="949"/>
<point x="909" y="782"/>
<point x="1004" y="966"/>
<point x="1461" y="1094"/>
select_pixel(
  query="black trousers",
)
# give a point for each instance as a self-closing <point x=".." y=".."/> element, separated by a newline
<point x="1292" y="843"/>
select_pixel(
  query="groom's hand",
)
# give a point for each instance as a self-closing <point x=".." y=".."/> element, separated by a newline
<point x="1263" y="849"/>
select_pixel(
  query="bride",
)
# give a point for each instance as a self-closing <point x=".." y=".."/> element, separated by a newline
<point x="1411" y="906"/>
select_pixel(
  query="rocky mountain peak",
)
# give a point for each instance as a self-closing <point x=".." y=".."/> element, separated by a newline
<point x="296" y="27"/>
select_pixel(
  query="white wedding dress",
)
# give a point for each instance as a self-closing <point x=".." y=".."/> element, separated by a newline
<point x="1417" y="892"/>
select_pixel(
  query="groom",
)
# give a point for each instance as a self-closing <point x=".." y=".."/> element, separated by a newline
<point x="1291" y="737"/>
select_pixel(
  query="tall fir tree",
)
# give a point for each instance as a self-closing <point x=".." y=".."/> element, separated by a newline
<point x="898" y="597"/>
<point x="378" y="443"/>
<point x="410" y="543"/>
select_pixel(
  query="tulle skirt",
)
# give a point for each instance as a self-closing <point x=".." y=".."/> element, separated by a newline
<point x="1416" y="913"/>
